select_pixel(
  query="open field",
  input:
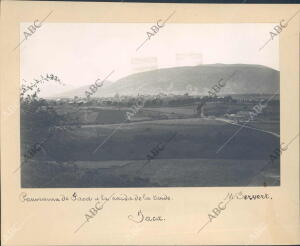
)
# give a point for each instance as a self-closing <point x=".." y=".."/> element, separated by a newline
<point x="190" y="159"/>
<point x="196" y="138"/>
<point x="160" y="173"/>
<point x="110" y="150"/>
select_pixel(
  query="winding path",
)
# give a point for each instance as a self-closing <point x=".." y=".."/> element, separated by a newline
<point x="245" y="126"/>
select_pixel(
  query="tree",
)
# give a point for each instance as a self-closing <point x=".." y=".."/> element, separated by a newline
<point x="39" y="119"/>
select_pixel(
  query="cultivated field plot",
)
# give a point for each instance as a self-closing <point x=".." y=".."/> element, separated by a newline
<point x="189" y="160"/>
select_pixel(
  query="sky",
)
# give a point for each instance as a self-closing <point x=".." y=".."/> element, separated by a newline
<point x="81" y="53"/>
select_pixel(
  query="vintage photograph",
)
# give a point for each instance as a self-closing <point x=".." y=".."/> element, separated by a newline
<point x="149" y="105"/>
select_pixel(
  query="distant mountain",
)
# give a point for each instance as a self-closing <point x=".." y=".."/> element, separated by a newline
<point x="242" y="79"/>
<point x="79" y="91"/>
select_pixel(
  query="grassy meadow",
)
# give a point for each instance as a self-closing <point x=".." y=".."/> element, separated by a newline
<point x="190" y="159"/>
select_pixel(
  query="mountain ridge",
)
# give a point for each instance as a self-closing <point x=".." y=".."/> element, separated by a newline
<point x="242" y="79"/>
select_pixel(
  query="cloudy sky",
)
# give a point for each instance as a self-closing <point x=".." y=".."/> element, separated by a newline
<point x="80" y="53"/>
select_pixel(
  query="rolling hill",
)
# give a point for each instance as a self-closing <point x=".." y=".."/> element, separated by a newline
<point x="246" y="79"/>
